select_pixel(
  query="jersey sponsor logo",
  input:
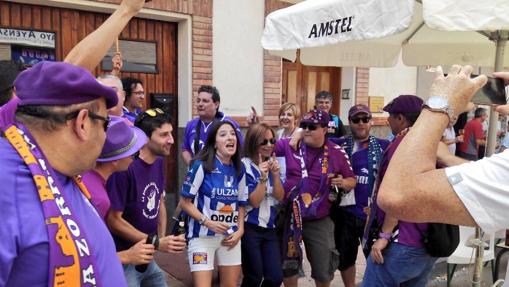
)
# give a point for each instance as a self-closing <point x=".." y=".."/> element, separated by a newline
<point x="364" y="170"/>
<point x="199" y="258"/>
<point x="224" y="193"/>
<point x="225" y="214"/>
<point x="150" y="199"/>
<point x="216" y="170"/>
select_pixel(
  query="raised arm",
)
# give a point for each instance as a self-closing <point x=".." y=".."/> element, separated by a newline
<point x="89" y="52"/>
<point x="412" y="188"/>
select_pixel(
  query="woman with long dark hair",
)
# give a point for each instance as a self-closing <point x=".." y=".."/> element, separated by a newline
<point x="260" y="245"/>
<point x="214" y="195"/>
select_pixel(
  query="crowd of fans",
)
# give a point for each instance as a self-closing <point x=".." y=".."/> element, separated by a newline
<point x="83" y="201"/>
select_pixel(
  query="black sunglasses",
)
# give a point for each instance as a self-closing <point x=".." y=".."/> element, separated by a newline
<point x="272" y="141"/>
<point x="106" y="120"/>
<point x="308" y="126"/>
<point x="149" y="113"/>
<point x="358" y="120"/>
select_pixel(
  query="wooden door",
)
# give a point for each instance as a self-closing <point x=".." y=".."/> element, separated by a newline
<point x="301" y="83"/>
<point x="71" y="26"/>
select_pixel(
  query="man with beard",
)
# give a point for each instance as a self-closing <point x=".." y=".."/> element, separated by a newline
<point x="365" y="153"/>
<point x="137" y="199"/>
<point x="312" y="168"/>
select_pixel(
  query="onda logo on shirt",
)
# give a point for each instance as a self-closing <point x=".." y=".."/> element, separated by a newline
<point x="225" y="214"/>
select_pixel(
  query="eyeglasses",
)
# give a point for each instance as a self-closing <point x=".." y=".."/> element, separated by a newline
<point x="358" y="120"/>
<point x="149" y="113"/>
<point x="272" y="141"/>
<point x="106" y="120"/>
<point x="138" y="93"/>
<point x="308" y="126"/>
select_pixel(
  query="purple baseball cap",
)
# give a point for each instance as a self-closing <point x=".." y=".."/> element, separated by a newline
<point x="316" y="116"/>
<point x="60" y="84"/>
<point x="404" y="104"/>
<point x="357" y="109"/>
<point x="122" y="140"/>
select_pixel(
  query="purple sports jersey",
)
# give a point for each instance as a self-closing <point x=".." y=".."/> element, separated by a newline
<point x="137" y="193"/>
<point x="408" y="233"/>
<point x="190" y="132"/>
<point x="338" y="164"/>
<point x="359" y="161"/>
<point x="24" y="248"/>
<point x="95" y="184"/>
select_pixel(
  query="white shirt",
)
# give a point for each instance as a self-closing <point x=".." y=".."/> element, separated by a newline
<point x="450" y="135"/>
<point x="483" y="187"/>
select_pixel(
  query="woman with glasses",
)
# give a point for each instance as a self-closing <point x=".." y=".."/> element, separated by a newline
<point x="214" y="195"/>
<point x="260" y="245"/>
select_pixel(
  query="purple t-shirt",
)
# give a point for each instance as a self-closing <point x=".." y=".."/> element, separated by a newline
<point x="409" y="233"/>
<point x="190" y="132"/>
<point x="137" y="193"/>
<point x="24" y="248"/>
<point x="359" y="161"/>
<point x="96" y="186"/>
<point x="338" y="164"/>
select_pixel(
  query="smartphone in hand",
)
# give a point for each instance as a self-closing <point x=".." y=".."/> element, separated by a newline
<point x="493" y="93"/>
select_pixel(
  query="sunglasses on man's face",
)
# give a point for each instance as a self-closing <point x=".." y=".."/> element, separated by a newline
<point x="106" y="120"/>
<point x="272" y="141"/>
<point x="308" y="126"/>
<point x="358" y="120"/>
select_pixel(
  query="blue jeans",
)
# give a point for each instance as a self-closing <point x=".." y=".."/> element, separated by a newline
<point x="403" y="266"/>
<point x="261" y="259"/>
<point x="152" y="277"/>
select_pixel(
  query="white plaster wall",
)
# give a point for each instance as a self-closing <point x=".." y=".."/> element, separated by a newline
<point x="392" y="82"/>
<point x="238" y="55"/>
<point x="347" y="82"/>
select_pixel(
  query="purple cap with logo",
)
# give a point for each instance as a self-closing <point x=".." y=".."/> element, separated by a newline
<point x="316" y="117"/>
<point x="357" y="109"/>
<point x="122" y="140"/>
<point x="404" y="104"/>
<point x="60" y="84"/>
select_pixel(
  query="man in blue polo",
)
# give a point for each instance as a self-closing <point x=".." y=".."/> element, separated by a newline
<point x="197" y="129"/>
<point x="398" y="256"/>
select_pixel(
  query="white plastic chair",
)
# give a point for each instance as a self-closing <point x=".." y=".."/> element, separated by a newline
<point x="465" y="252"/>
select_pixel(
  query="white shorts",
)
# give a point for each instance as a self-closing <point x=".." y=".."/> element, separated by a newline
<point x="202" y="251"/>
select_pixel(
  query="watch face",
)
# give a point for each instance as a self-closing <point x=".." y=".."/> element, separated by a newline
<point x="437" y="102"/>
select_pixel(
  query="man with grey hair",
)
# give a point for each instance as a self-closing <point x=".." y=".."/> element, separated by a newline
<point x="115" y="83"/>
<point x="335" y="128"/>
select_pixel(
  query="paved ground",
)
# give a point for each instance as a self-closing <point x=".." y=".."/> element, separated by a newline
<point x="179" y="276"/>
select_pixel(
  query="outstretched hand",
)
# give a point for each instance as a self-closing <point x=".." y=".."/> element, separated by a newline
<point x="457" y="87"/>
<point x="133" y="6"/>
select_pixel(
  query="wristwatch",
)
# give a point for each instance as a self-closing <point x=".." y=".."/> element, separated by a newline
<point x="385" y="235"/>
<point x="202" y="219"/>
<point x="440" y="104"/>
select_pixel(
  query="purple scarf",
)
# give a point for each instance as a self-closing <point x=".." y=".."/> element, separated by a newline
<point x="71" y="262"/>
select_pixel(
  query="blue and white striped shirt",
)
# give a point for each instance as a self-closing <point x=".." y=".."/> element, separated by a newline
<point x="265" y="215"/>
<point x="217" y="195"/>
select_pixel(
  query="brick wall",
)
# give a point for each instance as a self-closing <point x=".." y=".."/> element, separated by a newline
<point x="272" y="75"/>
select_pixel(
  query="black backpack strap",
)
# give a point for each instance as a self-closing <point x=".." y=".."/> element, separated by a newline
<point x="196" y="143"/>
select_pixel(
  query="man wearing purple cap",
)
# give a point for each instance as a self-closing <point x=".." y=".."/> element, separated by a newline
<point x="316" y="166"/>
<point x="365" y="153"/>
<point x="49" y="226"/>
<point x="397" y="242"/>
<point x="137" y="199"/>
